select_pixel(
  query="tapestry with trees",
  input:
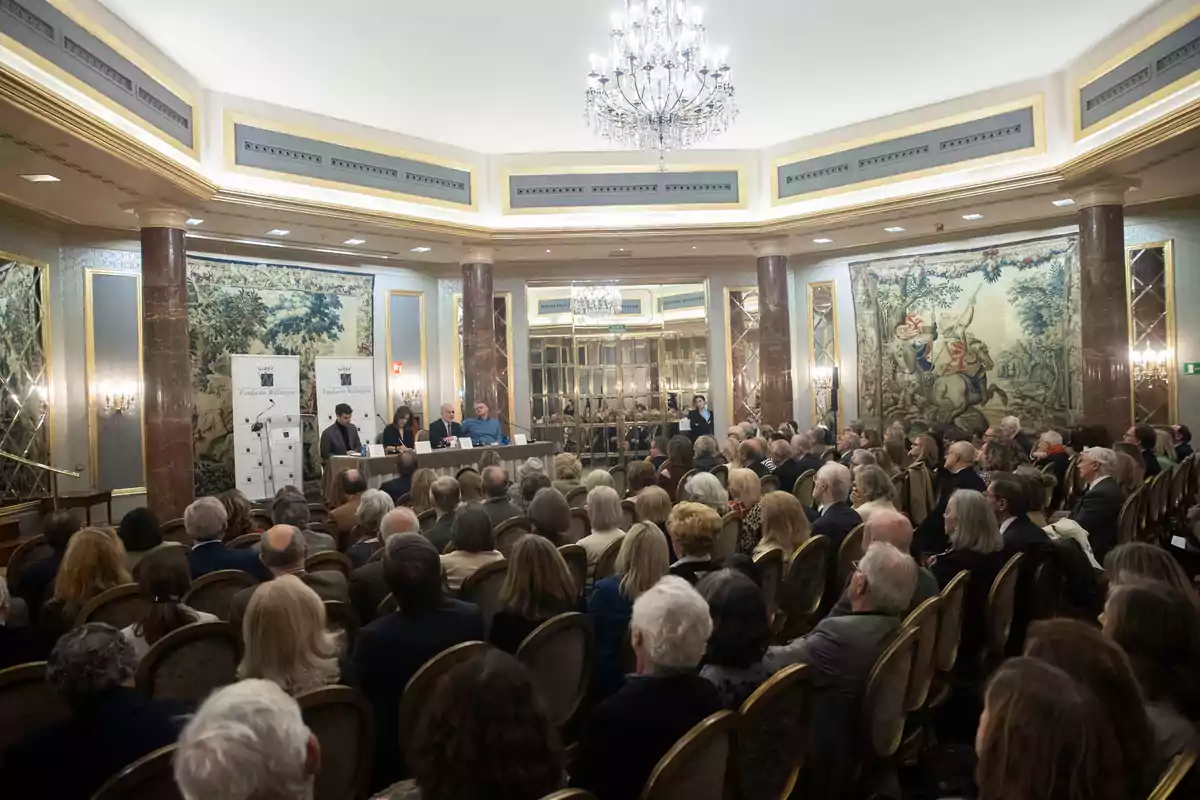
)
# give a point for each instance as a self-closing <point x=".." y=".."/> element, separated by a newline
<point x="248" y="307"/>
<point x="969" y="336"/>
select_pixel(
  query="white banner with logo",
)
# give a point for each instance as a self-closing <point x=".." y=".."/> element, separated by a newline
<point x="267" y="437"/>
<point x="350" y="381"/>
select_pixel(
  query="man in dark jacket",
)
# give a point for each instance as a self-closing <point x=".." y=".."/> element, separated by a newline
<point x="802" y="449"/>
<point x="1099" y="507"/>
<point x="1183" y="442"/>
<point x="787" y="470"/>
<point x="835" y="519"/>
<point x="958" y="473"/>
<point x="1010" y="503"/>
<point x="445" y="428"/>
<point x="204" y="521"/>
<point x="495" y="491"/>
<point x="33" y="583"/>
<point x="399" y="486"/>
<point x="754" y="459"/>
<point x="341" y="438"/>
<point x="1145" y="438"/>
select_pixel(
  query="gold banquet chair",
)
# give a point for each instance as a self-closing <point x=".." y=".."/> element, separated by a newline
<point x="774" y="734"/>
<point x="700" y="765"/>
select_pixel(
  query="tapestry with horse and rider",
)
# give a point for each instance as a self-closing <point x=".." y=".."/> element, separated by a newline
<point x="969" y="336"/>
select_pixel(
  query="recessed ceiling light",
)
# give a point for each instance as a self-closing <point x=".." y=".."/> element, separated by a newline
<point x="354" y="241"/>
<point x="194" y="221"/>
<point x="547" y="251"/>
<point x="972" y="216"/>
<point x="1066" y="201"/>
<point x="894" y="229"/>
<point x="41" y="178"/>
<point x="278" y="232"/>
<point x="822" y="240"/>
<point x="420" y="249"/>
<point x="693" y="247"/>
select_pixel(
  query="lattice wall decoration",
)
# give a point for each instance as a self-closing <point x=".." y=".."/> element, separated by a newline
<point x="24" y="380"/>
<point x="742" y="354"/>
<point x="501" y="309"/>
<point x="823" y="349"/>
<point x="1149" y="272"/>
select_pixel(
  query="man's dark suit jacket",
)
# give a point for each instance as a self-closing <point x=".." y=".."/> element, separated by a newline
<point x="835" y="525"/>
<point x="367" y="590"/>
<point x="21" y="645"/>
<point x="1023" y="536"/>
<point x="983" y="569"/>
<point x="437" y="432"/>
<point x="1151" y="462"/>
<point x="788" y="472"/>
<point x="211" y="556"/>
<point x="499" y="509"/>
<point x="442" y="531"/>
<point x="328" y="585"/>
<point x="808" y="461"/>
<point x="334" y="444"/>
<point x="759" y="468"/>
<point x="397" y="487"/>
<point x="692" y="571"/>
<point x="33" y="583"/>
<point x="389" y="651"/>
<point x="699" y="425"/>
<point x="1097" y="512"/>
<point x="707" y="463"/>
<point x="930" y="536"/>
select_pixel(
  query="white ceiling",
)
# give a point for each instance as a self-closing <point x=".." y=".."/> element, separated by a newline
<point x="508" y="75"/>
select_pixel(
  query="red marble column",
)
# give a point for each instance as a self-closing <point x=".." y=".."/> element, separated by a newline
<point x="479" y="331"/>
<point x="166" y="367"/>
<point x="774" y="334"/>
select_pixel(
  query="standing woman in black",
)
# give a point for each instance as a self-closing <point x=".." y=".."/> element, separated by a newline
<point x="401" y="433"/>
<point x="700" y="418"/>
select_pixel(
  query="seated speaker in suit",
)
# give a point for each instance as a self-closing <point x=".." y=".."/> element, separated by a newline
<point x="444" y="429"/>
<point x="204" y="521"/>
<point x="341" y="438"/>
<point x="958" y="472"/>
<point x="1100" y="505"/>
<point x="401" y="432"/>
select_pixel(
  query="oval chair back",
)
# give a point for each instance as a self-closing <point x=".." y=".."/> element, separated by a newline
<point x="722" y="473"/>
<point x="885" y="701"/>
<point x="260" y="519"/>
<point x="727" y="538"/>
<point x="774" y="734"/>
<point x="699" y="766"/>
<point x="329" y="560"/>
<point x="577" y="497"/>
<point x="404" y="500"/>
<point x="950" y="617"/>
<point x="1149" y="491"/>
<point x="173" y="530"/>
<point x="482" y="587"/>
<point x="427" y="518"/>
<point x="570" y="794"/>
<point x="770" y="574"/>
<point x="1001" y="599"/>
<point x="509" y="531"/>
<point x="576" y="558"/>
<point x="27" y="703"/>
<point x="1179" y="478"/>
<point x="342" y="720"/>
<point x="627" y="513"/>
<point x="214" y="592"/>
<point x="618" y="476"/>
<point x="244" y="542"/>
<point x="190" y="662"/>
<point x="1163" y="494"/>
<point x="32" y="549"/>
<point x="829" y="454"/>
<point x="1071" y="482"/>
<point x="803" y="488"/>
<point x="769" y="483"/>
<point x="151" y="777"/>
<point x="420" y="686"/>
<point x="119" y="606"/>
<point x="900" y="485"/>
<point x="387" y="605"/>
<point x="607" y="563"/>
<point x="318" y="513"/>
<point x="341" y="618"/>
<point x="803" y="588"/>
<point x="851" y="550"/>
<point x="581" y="524"/>
<point x="1049" y="586"/>
<point x="924" y="620"/>
<point x="559" y="655"/>
<point x="681" y="486"/>
<point x="1176" y="771"/>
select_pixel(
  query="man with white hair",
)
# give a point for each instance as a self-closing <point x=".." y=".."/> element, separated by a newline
<point x="786" y="468"/>
<point x="1011" y="428"/>
<point x="831" y="493"/>
<point x="802" y="449"/>
<point x="892" y="527"/>
<point x="636" y="727"/>
<point x="367" y="586"/>
<point x="841" y="651"/>
<point x="1099" y="507"/>
<point x="371" y="510"/>
<point x="1050" y="452"/>
<point x="247" y="741"/>
<point x="958" y="472"/>
<point x="204" y="521"/>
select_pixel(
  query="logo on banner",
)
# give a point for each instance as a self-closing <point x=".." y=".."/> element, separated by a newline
<point x="344" y="376"/>
<point x="266" y="376"/>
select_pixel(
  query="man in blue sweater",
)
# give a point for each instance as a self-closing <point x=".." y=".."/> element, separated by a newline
<point x="482" y="429"/>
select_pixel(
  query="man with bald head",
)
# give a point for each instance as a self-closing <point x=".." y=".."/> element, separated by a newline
<point x="283" y="551"/>
<point x="495" y="493"/>
<point x="367" y="587"/>
<point x="893" y="528"/>
<point x="345" y="517"/>
<point x="958" y="472"/>
<point x="445" y="430"/>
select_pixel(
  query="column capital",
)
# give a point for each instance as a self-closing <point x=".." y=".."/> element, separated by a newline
<point x="1108" y="191"/>
<point x="774" y="246"/>
<point x="159" y="215"/>
<point x="475" y="254"/>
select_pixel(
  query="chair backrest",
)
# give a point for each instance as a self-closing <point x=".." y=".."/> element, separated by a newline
<point x="681" y="484"/>
<point x="214" y="592"/>
<point x="770" y="573"/>
<point x="803" y="587"/>
<point x="1049" y="587"/>
<point x="119" y="606"/>
<point x="924" y="620"/>
<point x="570" y="794"/>
<point x="1127" y="520"/>
<point x="581" y="524"/>
<point x="427" y="518"/>
<point x="1162" y="493"/>
<point x="151" y="777"/>
<point x="330" y="560"/>
<point x="900" y="485"/>
<point x="244" y="542"/>
<point x="698" y="766"/>
<point x="340" y="617"/>
<point x="1176" y="771"/>
<point x="190" y="662"/>
<point x="261" y="519"/>
<point x="619" y="482"/>
<point x="173" y="530"/>
<point x="1149" y="490"/>
<point x="27" y="703"/>
<point x="404" y="500"/>
<point x="508" y="531"/>
<point x="482" y="587"/>
<point x="627" y="513"/>
<point x="577" y="562"/>
<point x="769" y="483"/>
<point x="803" y="488"/>
<point x="722" y="473"/>
<point x="920" y="492"/>
<point x="32" y="549"/>
<point x="607" y="563"/>
<point x="851" y="550"/>
<point x="950" y="617"/>
<point x="829" y="454"/>
<point x="774" y="733"/>
<point x="727" y="538"/>
<point x="420" y="686"/>
<point x="885" y="701"/>
<point x="1001" y="599"/>
<point x="577" y="497"/>
<point x="342" y="720"/>
<point x="317" y="513"/>
<point x="1179" y="477"/>
<point x="1071" y="481"/>
<point x="559" y="655"/>
<point x="387" y="605"/>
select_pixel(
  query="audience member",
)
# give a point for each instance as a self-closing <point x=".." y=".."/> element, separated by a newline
<point x="706" y="488"/>
<point x="1038" y="487"/>
<point x="884" y="461"/>
<point x="474" y="545"/>
<point x="248" y="741"/>
<point x="730" y="451"/>
<point x="388" y="651"/>
<point x="678" y="463"/>
<point x="402" y="484"/>
<point x="741" y="632"/>
<point x="567" y="470"/>
<point x="372" y="507"/>
<point x="604" y="512"/>
<point x="836" y="517"/>
<point x="1050" y="452"/>
<point x="530" y="486"/>
<point x="368" y="589"/>
<point x="1146" y="438"/>
<point x="753" y="457"/>
<point x="806" y="459"/>
<point x="1010" y="427"/>
<point x="238" y="521"/>
<point x="653" y="505"/>
<point x="598" y="477"/>
<point x="693" y="530"/>
<point x="1164" y="448"/>
<point x="204" y="520"/>
<point x="1183" y="442"/>
<point x="528" y="468"/>
<point x="892" y="527"/>
<point x="635" y="727"/>
<point x="446" y="497"/>
<point x="1129" y="470"/>
<point x="958" y="472"/>
<point x="861" y="458"/>
<point x="550" y="515"/>
<point x="538" y="586"/>
<point x="490" y="458"/>
<point x="345" y="516"/>
<point x="745" y="492"/>
<point x="283" y="551"/>
<point x="470" y="485"/>
<point x="420" y="499"/>
<point x="638" y="476"/>
<point x="847" y="443"/>
<point x="163" y="580"/>
<point x="924" y="450"/>
<point x="1141" y="562"/>
<point x="1100" y="504"/>
<point x="141" y="535"/>
<point x="34" y="583"/>
<point x="1042" y="736"/>
<point x="787" y="470"/>
<point x="21" y="644"/>
<point x="658" y="452"/>
<point x="495" y="491"/>
<point x="1010" y="503"/>
<point x="704" y="454"/>
<point x="1001" y="455"/>
<point x="94" y="562"/>
<point x="784" y="526"/>
<point x="293" y="510"/>
<point x="110" y="724"/>
<point x="641" y="562"/>
<point x="872" y="492"/>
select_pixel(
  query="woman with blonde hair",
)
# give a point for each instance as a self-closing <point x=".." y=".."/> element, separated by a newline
<point x="285" y="640"/>
<point x="873" y="491"/>
<point x="538" y="586"/>
<point x="237" y="514"/>
<point x="420" y="498"/>
<point x="566" y="472"/>
<point x="641" y="562"/>
<point x="784" y="526"/>
<point x="1164" y="448"/>
<point x="605" y="516"/>
<point x="745" y="492"/>
<point x="93" y="563"/>
<point x="925" y="450"/>
<point x="653" y="504"/>
<point x="639" y="475"/>
<point x="731" y="450"/>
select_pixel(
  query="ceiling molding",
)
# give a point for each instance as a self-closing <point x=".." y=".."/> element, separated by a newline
<point x="1179" y="121"/>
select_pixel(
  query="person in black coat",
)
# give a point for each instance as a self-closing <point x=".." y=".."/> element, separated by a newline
<point x="204" y="521"/>
<point x="1099" y="506"/>
<point x="787" y="469"/>
<point x="1051" y="453"/>
<point x="835" y="519"/>
<point x="110" y="726"/>
<point x="1009" y="500"/>
<point x="958" y="473"/>
<point x="389" y="651"/>
<point x="1145" y="438"/>
<point x="401" y="433"/>
<point x="341" y="438"/>
<point x="34" y="583"/>
<point x="444" y="428"/>
<point x="700" y="418"/>
<point x="1183" y="442"/>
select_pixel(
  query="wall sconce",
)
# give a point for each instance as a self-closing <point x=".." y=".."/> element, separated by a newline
<point x="822" y="378"/>
<point x="1151" y="366"/>
<point x="115" y="398"/>
<point x="410" y="388"/>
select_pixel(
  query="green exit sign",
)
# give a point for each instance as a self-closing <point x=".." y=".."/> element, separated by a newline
<point x="1191" y="368"/>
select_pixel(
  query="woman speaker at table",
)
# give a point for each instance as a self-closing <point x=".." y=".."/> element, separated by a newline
<point x="401" y="433"/>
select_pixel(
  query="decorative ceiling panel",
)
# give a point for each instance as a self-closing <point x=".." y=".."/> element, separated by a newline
<point x="609" y="189"/>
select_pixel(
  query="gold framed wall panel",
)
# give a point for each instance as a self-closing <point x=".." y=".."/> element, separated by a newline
<point x="1142" y="334"/>
<point x="456" y="339"/>
<point x="391" y="397"/>
<point x="818" y="356"/>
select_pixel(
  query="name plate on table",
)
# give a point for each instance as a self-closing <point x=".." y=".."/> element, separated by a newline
<point x="466" y="444"/>
<point x="520" y="439"/>
<point x="424" y="447"/>
<point x="375" y="450"/>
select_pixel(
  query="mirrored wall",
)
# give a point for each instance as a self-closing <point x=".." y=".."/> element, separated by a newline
<point x="742" y="354"/>
<point x="1150" y="281"/>
<point x="24" y="378"/>
<point x="823" y="352"/>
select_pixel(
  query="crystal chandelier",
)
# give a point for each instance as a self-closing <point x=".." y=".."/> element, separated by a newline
<point x="660" y="87"/>
<point x="1151" y="366"/>
<point x="595" y="301"/>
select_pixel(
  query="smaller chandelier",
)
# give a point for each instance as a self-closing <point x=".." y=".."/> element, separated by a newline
<point x="1151" y="366"/>
<point x="116" y="398"/>
<point x="595" y="301"/>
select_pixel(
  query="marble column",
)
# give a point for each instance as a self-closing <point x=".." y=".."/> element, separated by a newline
<point x="166" y="366"/>
<point x="774" y="332"/>
<point x="479" y="330"/>
<point x="1104" y="307"/>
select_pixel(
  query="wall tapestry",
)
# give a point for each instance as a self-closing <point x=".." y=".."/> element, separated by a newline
<point x="970" y="336"/>
<point x="24" y="375"/>
<point x="245" y="307"/>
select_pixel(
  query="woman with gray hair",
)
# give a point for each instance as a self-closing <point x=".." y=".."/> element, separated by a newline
<point x="873" y="491"/>
<point x="977" y="547"/>
<point x="110" y="726"/>
<point x="635" y="727"/>
<point x="704" y="454"/>
<point x="372" y="506"/>
<point x="704" y="488"/>
<point x="605" y="516"/>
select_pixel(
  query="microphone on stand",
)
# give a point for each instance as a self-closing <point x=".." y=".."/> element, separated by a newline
<point x="257" y="425"/>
